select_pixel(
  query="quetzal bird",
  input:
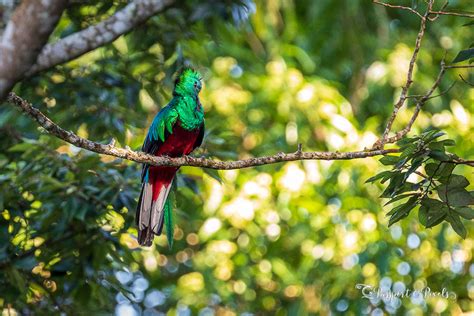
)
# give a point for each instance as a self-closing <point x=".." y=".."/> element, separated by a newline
<point x="175" y="131"/>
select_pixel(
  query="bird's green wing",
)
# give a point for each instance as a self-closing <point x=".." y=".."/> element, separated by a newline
<point x="160" y="128"/>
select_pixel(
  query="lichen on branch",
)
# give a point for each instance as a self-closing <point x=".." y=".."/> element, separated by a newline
<point x="141" y="157"/>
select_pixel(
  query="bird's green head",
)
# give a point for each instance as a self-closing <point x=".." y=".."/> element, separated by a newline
<point x="188" y="82"/>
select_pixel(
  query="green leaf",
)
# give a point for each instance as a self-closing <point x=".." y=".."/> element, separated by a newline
<point x="432" y="168"/>
<point x="448" y="142"/>
<point x="406" y="141"/>
<point x="11" y="295"/>
<point x="21" y="147"/>
<point x="83" y="293"/>
<point x="456" y="224"/>
<point x="466" y="212"/>
<point x="431" y="203"/>
<point x="213" y="173"/>
<point x="438" y="155"/>
<point x="464" y="55"/>
<point x="398" y="185"/>
<point x="436" y="216"/>
<point x="389" y="160"/>
<point x="436" y="146"/>
<point x="446" y="169"/>
<point x="431" y="135"/>
<point x="395" y="182"/>
<point x="16" y="279"/>
<point x="423" y="215"/>
<point x="415" y="164"/>
<point x="456" y="181"/>
<point x="402" y="211"/>
<point x="455" y="196"/>
<point x="400" y="197"/>
<point x="81" y="213"/>
<point x="406" y="187"/>
<point x="26" y="263"/>
<point x="401" y="163"/>
<point x="408" y="151"/>
<point x="383" y="174"/>
<point x="53" y="181"/>
<point x="395" y="209"/>
<point x="435" y="211"/>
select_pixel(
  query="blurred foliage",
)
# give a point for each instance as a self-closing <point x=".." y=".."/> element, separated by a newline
<point x="284" y="239"/>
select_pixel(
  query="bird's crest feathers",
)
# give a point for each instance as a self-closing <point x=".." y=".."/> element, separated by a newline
<point x="188" y="81"/>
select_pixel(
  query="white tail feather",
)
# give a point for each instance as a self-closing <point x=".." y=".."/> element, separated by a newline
<point x="157" y="209"/>
<point x="145" y="206"/>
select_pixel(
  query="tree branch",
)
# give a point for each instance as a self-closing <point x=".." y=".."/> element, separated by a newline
<point x="465" y="81"/>
<point x="24" y="36"/>
<point x="437" y="13"/>
<point x="461" y="161"/>
<point x="141" y="157"/>
<point x="460" y="67"/>
<point x="404" y="94"/>
<point x="105" y="32"/>
<point x="419" y="104"/>
<point x="398" y="7"/>
<point x="422" y="100"/>
<point x="140" y="10"/>
<point x="461" y="14"/>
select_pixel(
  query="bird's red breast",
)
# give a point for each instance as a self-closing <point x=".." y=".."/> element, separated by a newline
<point x="177" y="144"/>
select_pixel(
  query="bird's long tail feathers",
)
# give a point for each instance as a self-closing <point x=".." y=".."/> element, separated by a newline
<point x="154" y="209"/>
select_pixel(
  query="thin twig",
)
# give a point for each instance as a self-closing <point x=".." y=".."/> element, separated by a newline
<point x="141" y="157"/>
<point x="437" y="95"/>
<point x="431" y="179"/>
<point x="403" y="95"/>
<point x="399" y="135"/>
<point x="460" y="161"/>
<point x="398" y="7"/>
<point x="461" y="14"/>
<point x="465" y="81"/>
<point x="459" y="66"/>
<point x="445" y="5"/>
<point x="420" y="174"/>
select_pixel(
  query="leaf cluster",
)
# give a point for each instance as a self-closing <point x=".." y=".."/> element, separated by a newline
<point x="422" y="177"/>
